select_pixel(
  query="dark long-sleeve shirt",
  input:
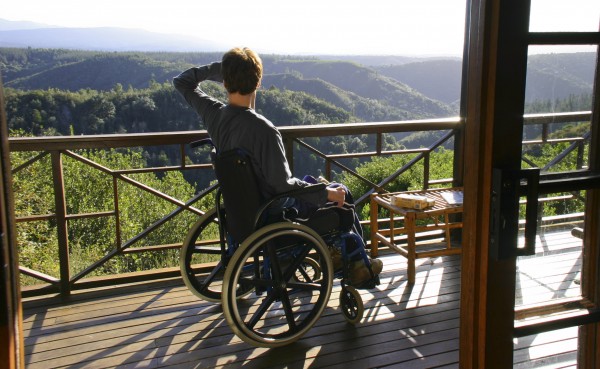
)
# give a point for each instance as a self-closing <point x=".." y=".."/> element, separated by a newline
<point x="232" y="127"/>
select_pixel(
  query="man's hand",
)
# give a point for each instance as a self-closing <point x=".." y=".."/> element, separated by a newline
<point x="337" y="195"/>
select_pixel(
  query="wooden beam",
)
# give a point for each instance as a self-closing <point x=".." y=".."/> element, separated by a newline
<point x="11" y="315"/>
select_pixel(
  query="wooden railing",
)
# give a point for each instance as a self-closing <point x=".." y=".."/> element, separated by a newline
<point x="59" y="147"/>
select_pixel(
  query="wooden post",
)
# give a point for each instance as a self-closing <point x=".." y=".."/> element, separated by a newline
<point x="12" y="347"/>
<point x="288" y="144"/>
<point x="409" y="225"/>
<point x="374" y="226"/>
<point x="61" y="222"/>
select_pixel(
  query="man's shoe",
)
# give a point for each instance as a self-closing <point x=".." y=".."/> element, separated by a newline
<point x="359" y="272"/>
<point x="376" y="266"/>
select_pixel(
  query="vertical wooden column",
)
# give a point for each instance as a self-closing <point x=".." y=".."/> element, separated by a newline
<point x="409" y="225"/>
<point x="11" y="314"/>
<point x="496" y="59"/>
<point x="288" y="144"/>
<point x="374" y="213"/>
<point x="589" y="335"/>
<point x="477" y="177"/>
<point x="61" y="222"/>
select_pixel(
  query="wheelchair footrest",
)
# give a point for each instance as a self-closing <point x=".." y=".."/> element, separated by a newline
<point x="368" y="284"/>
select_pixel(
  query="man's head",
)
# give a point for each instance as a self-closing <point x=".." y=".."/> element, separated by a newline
<point x="242" y="71"/>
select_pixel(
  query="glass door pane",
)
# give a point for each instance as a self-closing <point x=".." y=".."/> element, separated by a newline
<point x="564" y="16"/>
<point x="556" y="139"/>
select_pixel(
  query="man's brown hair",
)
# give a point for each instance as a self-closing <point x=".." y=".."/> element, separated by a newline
<point x="242" y="70"/>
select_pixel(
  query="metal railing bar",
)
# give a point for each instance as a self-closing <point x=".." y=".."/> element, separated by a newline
<point x="39" y="275"/>
<point x="133" y="250"/>
<point x="548" y="118"/>
<point x="106" y="141"/>
<point x="399" y="172"/>
<point x="529" y="162"/>
<point x="330" y="161"/>
<point x="182" y="156"/>
<point x="349" y="129"/>
<point x="554" y="140"/>
<point x="374" y="153"/>
<point x="163" y="220"/>
<point x="62" y="230"/>
<point x="35" y="218"/>
<point x="163" y="169"/>
<point x="115" y="184"/>
<point x="565" y="152"/>
<point x="24" y="165"/>
<point x="121" y="248"/>
<point x="90" y="215"/>
<point x="185" y="137"/>
<point x="95" y="265"/>
<point x="441" y="181"/>
<point x="89" y="162"/>
<point x="159" y="194"/>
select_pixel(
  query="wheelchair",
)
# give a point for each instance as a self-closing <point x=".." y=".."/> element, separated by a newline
<point x="273" y="275"/>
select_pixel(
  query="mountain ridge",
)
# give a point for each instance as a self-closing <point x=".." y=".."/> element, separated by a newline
<point x="24" y="34"/>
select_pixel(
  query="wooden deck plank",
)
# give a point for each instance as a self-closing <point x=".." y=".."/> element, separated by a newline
<point x="112" y="320"/>
<point x="182" y="334"/>
<point x="166" y="326"/>
<point x="376" y="300"/>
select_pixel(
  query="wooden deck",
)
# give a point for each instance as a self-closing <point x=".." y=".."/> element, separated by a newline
<point x="164" y="325"/>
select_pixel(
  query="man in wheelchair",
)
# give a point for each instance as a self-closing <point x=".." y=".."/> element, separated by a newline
<point x="237" y="125"/>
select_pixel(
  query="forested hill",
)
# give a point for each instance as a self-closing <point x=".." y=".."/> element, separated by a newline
<point x="369" y="96"/>
<point x="56" y="90"/>
<point x="549" y="76"/>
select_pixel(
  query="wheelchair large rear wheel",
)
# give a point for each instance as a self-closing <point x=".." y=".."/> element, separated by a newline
<point x="292" y="284"/>
<point x="201" y="260"/>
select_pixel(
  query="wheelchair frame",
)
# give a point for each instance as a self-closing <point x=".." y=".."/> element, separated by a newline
<point x="276" y="283"/>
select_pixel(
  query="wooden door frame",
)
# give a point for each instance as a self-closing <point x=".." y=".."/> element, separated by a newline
<point x="493" y="98"/>
<point x="11" y="313"/>
<point x="589" y="335"/>
<point x="482" y="105"/>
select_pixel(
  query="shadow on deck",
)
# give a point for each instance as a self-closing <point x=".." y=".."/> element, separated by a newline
<point x="165" y="325"/>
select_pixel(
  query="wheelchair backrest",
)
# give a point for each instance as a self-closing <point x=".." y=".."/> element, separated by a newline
<point x="240" y="191"/>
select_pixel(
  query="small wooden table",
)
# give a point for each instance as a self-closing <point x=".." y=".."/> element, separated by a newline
<point x="434" y="218"/>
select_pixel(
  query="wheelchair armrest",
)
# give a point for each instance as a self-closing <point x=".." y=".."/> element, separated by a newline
<point x="294" y="193"/>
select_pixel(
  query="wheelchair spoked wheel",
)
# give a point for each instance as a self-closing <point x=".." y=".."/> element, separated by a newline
<point x="201" y="262"/>
<point x="292" y="282"/>
<point x="309" y="270"/>
<point x="351" y="304"/>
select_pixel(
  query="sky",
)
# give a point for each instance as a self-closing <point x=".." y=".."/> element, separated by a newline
<point x="380" y="27"/>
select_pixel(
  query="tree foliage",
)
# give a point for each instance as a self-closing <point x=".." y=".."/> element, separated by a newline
<point x="88" y="191"/>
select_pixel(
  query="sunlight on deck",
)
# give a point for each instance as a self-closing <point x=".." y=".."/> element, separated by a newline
<point x="428" y="292"/>
<point x="165" y="325"/>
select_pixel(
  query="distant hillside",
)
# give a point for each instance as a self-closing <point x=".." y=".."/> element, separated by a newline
<point x="104" y="38"/>
<point x="549" y="76"/>
<point x="413" y="90"/>
<point x="438" y="79"/>
<point x="365" y="82"/>
<point x="556" y="76"/>
<point x="363" y="108"/>
<point x="6" y="25"/>
<point x="98" y="72"/>
<point x="355" y="88"/>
